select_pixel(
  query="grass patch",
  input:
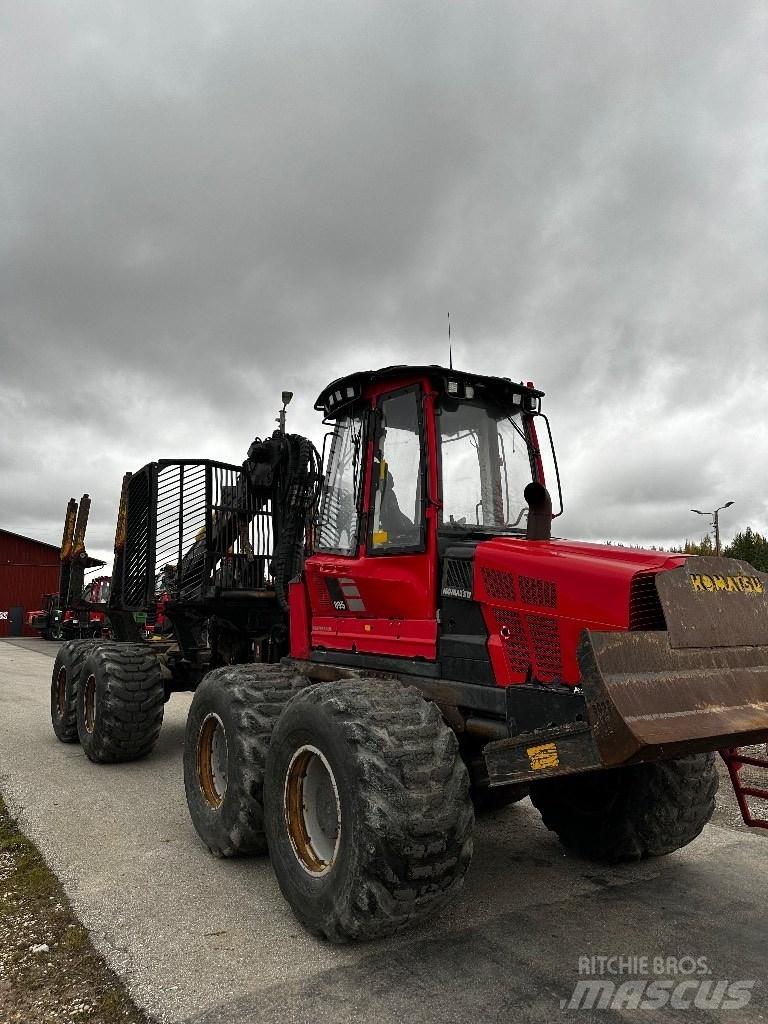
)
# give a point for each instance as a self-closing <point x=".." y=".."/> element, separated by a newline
<point x="67" y="982"/>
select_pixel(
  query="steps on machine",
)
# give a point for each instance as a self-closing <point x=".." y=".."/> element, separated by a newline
<point x="736" y="760"/>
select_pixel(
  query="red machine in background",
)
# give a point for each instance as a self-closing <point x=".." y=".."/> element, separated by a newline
<point x="78" y="610"/>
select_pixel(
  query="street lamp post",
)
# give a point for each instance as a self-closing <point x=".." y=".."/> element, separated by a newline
<point x="715" y="522"/>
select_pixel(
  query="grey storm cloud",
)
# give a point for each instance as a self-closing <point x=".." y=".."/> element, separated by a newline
<point x="202" y="204"/>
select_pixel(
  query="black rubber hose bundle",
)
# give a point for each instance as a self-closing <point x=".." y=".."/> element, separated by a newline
<point x="300" y="476"/>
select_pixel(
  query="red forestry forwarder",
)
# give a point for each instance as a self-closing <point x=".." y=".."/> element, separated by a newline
<point x="379" y="647"/>
<point x="78" y="609"/>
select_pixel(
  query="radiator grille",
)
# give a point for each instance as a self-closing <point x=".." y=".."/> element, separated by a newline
<point x="318" y="592"/>
<point x="545" y="639"/>
<point x="530" y="641"/>
<point x="513" y="640"/>
<point x="645" y="611"/>
<point x="457" y="575"/>
<point x="539" y="592"/>
<point x="500" y="585"/>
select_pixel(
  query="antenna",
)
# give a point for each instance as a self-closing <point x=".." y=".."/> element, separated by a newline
<point x="450" y="352"/>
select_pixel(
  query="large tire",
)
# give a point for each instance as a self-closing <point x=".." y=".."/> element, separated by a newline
<point x="120" y="702"/>
<point x="368" y="814"/>
<point x="64" y="679"/>
<point x="626" y="814"/>
<point x="229" y="728"/>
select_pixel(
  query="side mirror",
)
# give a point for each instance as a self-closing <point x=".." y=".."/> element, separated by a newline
<point x="542" y="416"/>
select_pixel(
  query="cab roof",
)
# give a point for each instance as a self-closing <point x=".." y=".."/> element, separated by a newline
<point x="344" y="391"/>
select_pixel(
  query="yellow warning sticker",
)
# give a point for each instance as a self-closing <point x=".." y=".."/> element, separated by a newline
<point x="716" y="584"/>
<point x="543" y="756"/>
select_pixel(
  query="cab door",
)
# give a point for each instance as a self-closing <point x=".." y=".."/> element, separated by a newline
<point x="332" y="593"/>
<point x="378" y="596"/>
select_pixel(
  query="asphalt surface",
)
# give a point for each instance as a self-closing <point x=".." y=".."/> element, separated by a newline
<point x="203" y="940"/>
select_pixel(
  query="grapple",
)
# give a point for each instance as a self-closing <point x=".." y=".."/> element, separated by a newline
<point x="701" y="684"/>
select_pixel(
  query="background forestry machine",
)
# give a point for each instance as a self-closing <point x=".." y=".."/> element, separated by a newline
<point x="377" y="648"/>
<point x="78" y="609"/>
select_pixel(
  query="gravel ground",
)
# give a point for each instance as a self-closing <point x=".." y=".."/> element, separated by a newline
<point x="205" y="940"/>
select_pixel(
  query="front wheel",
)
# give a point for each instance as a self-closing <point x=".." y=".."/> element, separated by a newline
<point x="229" y="728"/>
<point x="625" y="814"/>
<point x="368" y="815"/>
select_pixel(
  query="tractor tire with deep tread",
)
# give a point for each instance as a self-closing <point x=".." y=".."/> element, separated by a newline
<point x="247" y="701"/>
<point x="368" y="814"/>
<point x="64" y="679"/>
<point x="120" y="701"/>
<point x="626" y="814"/>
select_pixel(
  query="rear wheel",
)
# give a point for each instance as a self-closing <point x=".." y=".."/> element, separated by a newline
<point x="367" y="804"/>
<point x="120" y="702"/>
<point x="229" y="728"/>
<point x="625" y="814"/>
<point x="64" y="680"/>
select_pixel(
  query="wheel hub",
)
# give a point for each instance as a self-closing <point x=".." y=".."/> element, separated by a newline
<point x="212" y="760"/>
<point x="312" y="810"/>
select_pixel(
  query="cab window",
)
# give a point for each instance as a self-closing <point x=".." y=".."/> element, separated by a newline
<point x="339" y="516"/>
<point x="397" y="498"/>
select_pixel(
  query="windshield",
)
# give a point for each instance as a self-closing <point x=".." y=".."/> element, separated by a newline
<point x="486" y="465"/>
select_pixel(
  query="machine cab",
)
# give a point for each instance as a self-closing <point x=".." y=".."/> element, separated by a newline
<point x="418" y="460"/>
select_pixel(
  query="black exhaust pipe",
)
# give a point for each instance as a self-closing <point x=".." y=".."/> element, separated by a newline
<point x="539" y="512"/>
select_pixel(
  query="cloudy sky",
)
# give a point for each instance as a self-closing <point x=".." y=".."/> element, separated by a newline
<point x="203" y="202"/>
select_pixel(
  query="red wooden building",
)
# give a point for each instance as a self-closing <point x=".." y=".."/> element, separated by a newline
<point x="28" y="569"/>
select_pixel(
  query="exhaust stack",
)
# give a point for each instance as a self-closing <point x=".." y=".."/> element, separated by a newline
<point x="539" y="512"/>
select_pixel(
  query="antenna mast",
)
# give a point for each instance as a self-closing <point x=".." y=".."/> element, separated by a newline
<point x="450" y="352"/>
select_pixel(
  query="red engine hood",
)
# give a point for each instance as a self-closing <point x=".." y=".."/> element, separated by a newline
<point x="569" y="579"/>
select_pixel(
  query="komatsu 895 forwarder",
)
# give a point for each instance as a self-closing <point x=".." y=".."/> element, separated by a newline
<point x="380" y="646"/>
